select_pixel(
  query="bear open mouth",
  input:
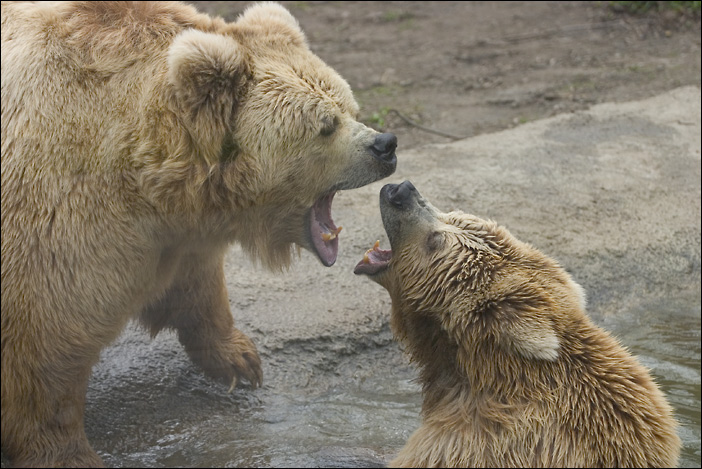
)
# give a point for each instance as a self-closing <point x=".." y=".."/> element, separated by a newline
<point x="374" y="260"/>
<point x="323" y="231"/>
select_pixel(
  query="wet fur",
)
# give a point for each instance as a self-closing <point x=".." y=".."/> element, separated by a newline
<point x="140" y="139"/>
<point x="514" y="372"/>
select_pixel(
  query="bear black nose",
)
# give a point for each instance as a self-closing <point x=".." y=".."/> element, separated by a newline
<point x="383" y="147"/>
<point x="400" y="194"/>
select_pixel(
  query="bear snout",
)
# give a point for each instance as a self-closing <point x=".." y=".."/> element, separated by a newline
<point x="383" y="148"/>
<point x="405" y="213"/>
<point x="399" y="195"/>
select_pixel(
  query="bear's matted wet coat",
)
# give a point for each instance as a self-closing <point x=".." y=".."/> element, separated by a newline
<point x="514" y="372"/>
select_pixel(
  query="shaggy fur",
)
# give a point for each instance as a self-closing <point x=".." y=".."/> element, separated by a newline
<point x="514" y="373"/>
<point x="139" y="139"/>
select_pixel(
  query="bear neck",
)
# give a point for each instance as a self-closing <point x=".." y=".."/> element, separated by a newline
<point x="480" y="381"/>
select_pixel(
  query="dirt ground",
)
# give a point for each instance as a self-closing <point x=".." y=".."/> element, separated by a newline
<point x="467" y="68"/>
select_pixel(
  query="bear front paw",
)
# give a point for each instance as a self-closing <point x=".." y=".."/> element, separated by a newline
<point x="231" y="359"/>
<point x="244" y="362"/>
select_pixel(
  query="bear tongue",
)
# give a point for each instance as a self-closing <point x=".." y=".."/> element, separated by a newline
<point x="323" y="231"/>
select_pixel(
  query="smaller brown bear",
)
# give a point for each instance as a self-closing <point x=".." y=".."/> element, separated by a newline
<point x="514" y="372"/>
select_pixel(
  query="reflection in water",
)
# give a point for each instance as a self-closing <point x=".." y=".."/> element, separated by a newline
<point x="181" y="419"/>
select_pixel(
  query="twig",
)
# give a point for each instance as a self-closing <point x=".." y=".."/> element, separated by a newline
<point x="421" y="127"/>
<point x="565" y="30"/>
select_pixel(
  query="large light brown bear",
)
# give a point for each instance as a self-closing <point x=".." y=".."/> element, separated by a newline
<point x="514" y="373"/>
<point x="139" y="140"/>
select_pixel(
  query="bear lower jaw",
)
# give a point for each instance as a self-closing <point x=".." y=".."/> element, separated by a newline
<point x="375" y="260"/>
<point x="323" y="232"/>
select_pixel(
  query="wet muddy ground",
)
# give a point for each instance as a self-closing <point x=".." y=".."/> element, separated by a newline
<point x="467" y="68"/>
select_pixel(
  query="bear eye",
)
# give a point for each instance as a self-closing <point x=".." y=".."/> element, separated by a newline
<point x="434" y="241"/>
<point x="329" y="126"/>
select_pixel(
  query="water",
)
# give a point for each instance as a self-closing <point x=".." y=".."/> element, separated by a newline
<point x="361" y="422"/>
<point x="357" y="426"/>
<point x="148" y="406"/>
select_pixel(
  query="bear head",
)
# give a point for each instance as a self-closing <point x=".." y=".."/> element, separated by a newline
<point x="274" y="132"/>
<point x="461" y="283"/>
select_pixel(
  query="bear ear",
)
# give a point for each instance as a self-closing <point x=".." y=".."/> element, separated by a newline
<point x="526" y="330"/>
<point x="274" y="21"/>
<point x="207" y="72"/>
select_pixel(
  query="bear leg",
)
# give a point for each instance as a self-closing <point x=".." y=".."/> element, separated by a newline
<point x="44" y="428"/>
<point x="197" y="306"/>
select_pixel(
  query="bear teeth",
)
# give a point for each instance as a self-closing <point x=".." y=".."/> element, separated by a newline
<point x="375" y="248"/>
<point x="366" y="256"/>
<point x="332" y="235"/>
